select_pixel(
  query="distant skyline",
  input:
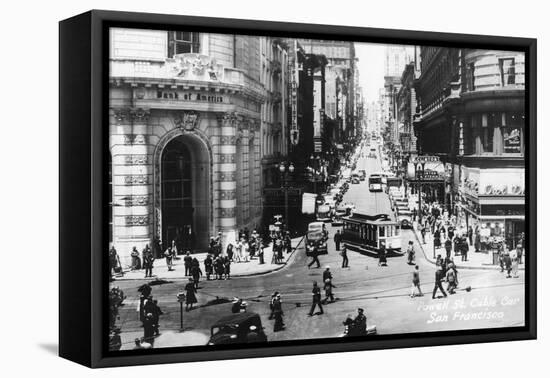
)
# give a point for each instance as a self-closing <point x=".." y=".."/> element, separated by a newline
<point x="372" y="58"/>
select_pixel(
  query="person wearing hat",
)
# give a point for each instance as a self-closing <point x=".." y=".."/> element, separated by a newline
<point x="359" y="324"/>
<point x="451" y="279"/>
<point x="348" y="324"/>
<point x="344" y="254"/>
<point x="187" y="262"/>
<point x="337" y="239"/>
<point x="382" y="261"/>
<point x="115" y="342"/>
<point x="149" y="329"/>
<point x="190" y="297"/>
<point x="260" y="248"/>
<point x="327" y="275"/>
<point x="329" y="296"/>
<point x="416" y="283"/>
<point x="439" y="275"/>
<point x="196" y="271"/>
<point x="315" y="258"/>
<point x="208" y="264"/>
<point x="278" y="314"/>
<point x="238" y="305"/>
<point x="219" y="267"/>
<point x="316" y="299"/>
<point x="271" y="303"/>
<point x="410" y="253"/>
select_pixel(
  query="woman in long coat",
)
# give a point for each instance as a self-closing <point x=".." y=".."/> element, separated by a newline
<point x="190" y="297"/>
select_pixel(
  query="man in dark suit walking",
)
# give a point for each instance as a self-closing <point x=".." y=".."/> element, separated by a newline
<point x="439" y="275"/>
<point x="337" y="239"/>
<point x="316" y="296"/>
<point x="148" y="263"/>
<point x="344" y="253"/>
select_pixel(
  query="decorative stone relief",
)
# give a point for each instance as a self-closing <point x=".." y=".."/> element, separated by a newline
<point x="227" y="176"/>
<point x="192" y="66"/>
<point x="137" y="201"/>
<point x="121" y="114"/>
<point x="227" y="158"/>
<point x="187" y="120"/>
<point x="228" y="140"/>
<point x="134" y="139"/>
<point x="227" y="194"/>
<point x="136" y="180"/>
<point x="228" y="213"/>
<point x="136" y="159"/>
<point x="227" y="119"/>
<point x="140" y="115"/>
<point x="137" y="220"/>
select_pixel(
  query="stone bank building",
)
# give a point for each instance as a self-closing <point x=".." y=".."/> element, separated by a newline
<point x="185" y="133"/>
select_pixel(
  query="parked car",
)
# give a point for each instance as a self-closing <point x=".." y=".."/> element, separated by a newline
<point x="404" y="218"/>
<point x="238" y="328"/>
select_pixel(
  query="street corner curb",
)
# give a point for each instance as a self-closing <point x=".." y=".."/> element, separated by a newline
<point x="275" y="269"/>
<point x="459" y="266"/>
<point x="239" y="275"/>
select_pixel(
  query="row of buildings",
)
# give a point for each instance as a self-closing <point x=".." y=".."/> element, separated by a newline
<point x="460" y="114"/>
<point x="201" y="126"/>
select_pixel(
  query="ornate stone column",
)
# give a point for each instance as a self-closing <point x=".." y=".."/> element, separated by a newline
<point x="257" y="171"/>
<point x="132" y="180"/>
<point x="226" y="168"/>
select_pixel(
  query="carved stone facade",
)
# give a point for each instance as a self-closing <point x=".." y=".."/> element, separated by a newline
<point x="206" y="105"/>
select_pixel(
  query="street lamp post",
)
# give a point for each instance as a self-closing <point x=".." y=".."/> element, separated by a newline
<point x="285" y="172"/>
<point x="181" y="299"/>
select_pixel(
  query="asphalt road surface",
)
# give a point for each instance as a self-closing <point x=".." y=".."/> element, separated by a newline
<point x="494" y="300"/>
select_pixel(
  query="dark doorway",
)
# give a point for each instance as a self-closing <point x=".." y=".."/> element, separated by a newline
<point x="177" y="196"/>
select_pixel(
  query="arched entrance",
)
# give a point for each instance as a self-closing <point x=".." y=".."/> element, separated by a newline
<point x="185" y="193"/>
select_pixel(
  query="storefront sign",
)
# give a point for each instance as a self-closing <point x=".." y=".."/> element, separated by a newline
<point x="308" y="203"/>
<point x="502" y="182"/>
<point x="317" y="145"/>
<point x="294" y="78"/>
<point x="512" y="140"/>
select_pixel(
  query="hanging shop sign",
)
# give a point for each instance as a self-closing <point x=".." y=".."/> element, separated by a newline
<point x="294" y="82"/>
<point x="512" y="141"/>
<point x="308" y="203"/>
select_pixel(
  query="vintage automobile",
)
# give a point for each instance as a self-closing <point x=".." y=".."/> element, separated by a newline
<point x="244" y="327"/>
<point x="404" y="217"/>
<point x="340" y="213"/>
<point x="324" y="213"/>
<point x="316" y="240"/>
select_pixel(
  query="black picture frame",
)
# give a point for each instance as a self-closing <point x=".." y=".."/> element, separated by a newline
<point x="83" y="101"/>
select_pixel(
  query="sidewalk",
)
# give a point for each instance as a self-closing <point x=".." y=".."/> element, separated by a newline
<point x="239" y="269"/>
<point x="476" y="260"/>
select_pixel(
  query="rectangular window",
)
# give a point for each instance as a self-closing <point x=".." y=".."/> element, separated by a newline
<point x="507" y="71"/>
<point x="182" y="43"/>
<point x="470" y="77"/>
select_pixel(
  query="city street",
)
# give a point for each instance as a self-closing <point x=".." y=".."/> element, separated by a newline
<point x="384" y="293"/>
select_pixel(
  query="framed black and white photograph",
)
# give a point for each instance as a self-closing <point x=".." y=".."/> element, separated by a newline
<point x="259" y="188"/>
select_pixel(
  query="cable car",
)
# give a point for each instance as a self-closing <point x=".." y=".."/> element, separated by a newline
<point x="375" y="183"/>
<point x="367" y="233"/>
